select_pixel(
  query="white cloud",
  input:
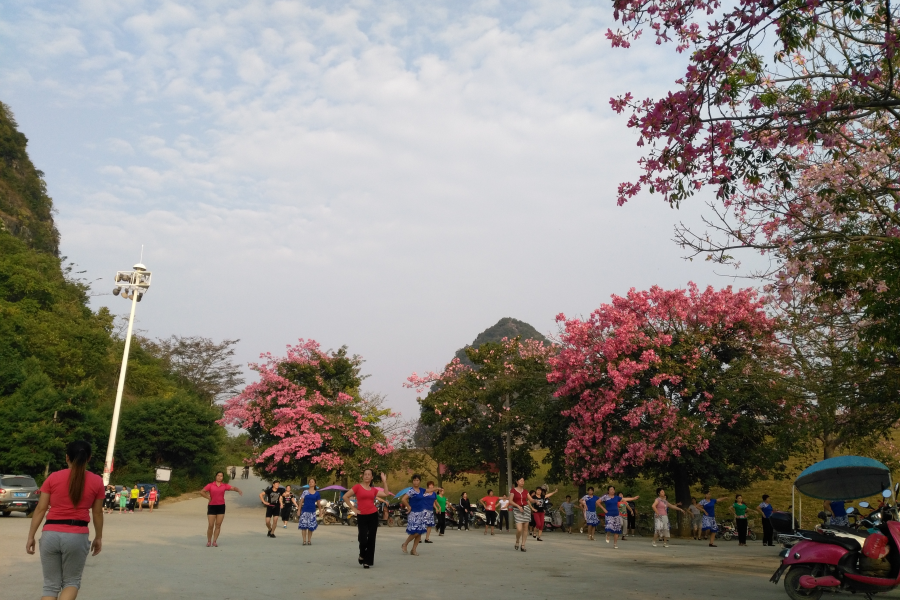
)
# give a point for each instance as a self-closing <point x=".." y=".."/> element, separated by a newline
<point x="392" y="175"/>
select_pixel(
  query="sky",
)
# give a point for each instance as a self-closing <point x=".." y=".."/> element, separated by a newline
<point x="391" y="176"/>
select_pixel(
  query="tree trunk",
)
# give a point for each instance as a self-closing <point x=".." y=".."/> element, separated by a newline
<point x="345" y="481"/>
<point x="501" y="467"/>
<point x="682" y="497"/>
<point x="829" y="447"/>
<point x="582" y="490"/>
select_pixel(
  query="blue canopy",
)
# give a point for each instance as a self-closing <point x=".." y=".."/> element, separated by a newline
<point x="844" y="478"/>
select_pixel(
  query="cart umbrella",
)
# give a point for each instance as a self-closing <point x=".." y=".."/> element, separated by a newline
<point x="844" y="478"/>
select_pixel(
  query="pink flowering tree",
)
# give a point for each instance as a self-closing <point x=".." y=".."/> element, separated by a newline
<point x="764" y="78"/>
<point x="673" y="384"/>
<point x="306" y="416"/>
<point x="476" y="413"/>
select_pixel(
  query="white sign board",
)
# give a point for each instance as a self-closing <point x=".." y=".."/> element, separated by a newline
<point x="163" y="474"/>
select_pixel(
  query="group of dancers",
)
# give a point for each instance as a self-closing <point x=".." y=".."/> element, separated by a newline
<point x="422" y="504"/>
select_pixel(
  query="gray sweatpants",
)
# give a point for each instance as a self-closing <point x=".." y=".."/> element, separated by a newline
<point x="62" y="559"/>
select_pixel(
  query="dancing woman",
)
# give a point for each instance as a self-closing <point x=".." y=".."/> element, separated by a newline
<point x="661" y="508"/>
<point x="610" y="508"/>
<point x="540" y="505"/>
<point x="431" y="505"/>
<point x="520" y="502"/>
<point x="308" y="512"/>
<point x="589" y="506"/>
<point x="418" y="506"/>
<point x="215" y="510"/>
<point x="708" y="506"/>
<point x="366" y="514"/>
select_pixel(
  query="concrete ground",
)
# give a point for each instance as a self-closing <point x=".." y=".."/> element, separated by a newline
<point x="164" y="555"/>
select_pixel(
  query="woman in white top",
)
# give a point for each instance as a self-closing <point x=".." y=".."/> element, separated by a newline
<point x="503" y="508"/>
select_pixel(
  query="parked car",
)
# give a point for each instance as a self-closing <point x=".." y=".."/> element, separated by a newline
<point x="18" y="493"/>
<point x="146" y="503"/>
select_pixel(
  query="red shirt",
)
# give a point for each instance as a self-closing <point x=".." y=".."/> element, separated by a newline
<point x="217" y="493"/>
<point x="61" y="507"/>
<point x="520" y="498"/>
<point x="365" y="499"/>
<point x="489" y="502"/>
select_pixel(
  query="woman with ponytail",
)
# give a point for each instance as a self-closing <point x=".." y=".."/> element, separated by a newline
<point x="73" y="494"/>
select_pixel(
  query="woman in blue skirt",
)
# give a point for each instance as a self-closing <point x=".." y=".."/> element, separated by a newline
<point x="308" y="511"/>
<point x="418" y="505"/>
<point x="430" y="503"/>
<point x="710" y="527"/>
<point x="610" y="507"/>
<point x="589" y="505"/>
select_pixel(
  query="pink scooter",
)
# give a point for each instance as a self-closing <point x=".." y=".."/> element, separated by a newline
<point x="828" y="562"/>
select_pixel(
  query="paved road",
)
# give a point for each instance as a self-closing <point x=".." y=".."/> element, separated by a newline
<point x="165" y="555"/>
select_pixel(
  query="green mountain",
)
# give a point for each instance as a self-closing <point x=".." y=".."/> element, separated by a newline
<point x="507" y="327"/>
<point x="59" y="360"/>
<point x="26" y="211"/>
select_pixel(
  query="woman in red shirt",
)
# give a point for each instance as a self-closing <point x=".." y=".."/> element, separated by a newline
<point x="215" y="511"/>
<point x="74" y="494"/>
<point x="520" y="503"/>
<point x="366" y="514"/>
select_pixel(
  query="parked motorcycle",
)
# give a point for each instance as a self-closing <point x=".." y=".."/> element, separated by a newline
<point x="338" y="513"/>
<point x="834" y="559"/>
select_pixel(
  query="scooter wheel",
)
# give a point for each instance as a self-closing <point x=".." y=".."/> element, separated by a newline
<point x="792" y="583"/>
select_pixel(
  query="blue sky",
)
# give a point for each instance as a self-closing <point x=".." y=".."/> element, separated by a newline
<point x="394" y="176"/>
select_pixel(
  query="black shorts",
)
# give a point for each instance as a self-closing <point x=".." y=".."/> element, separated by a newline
<point x="215" y="509"/>
<point x="273" y="511"/>
<point x="286" y="513"/>
<point x="491" y="517"/>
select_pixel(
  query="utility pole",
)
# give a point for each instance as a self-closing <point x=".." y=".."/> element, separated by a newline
<point x="132" y="285"/>
<point x="509" y="479"/>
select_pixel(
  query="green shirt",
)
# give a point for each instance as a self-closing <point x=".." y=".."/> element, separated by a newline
<point x="740" y="509"/>
<point x="442" y="502"/>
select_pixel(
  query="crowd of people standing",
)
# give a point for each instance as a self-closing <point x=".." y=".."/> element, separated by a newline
<point x="70" y="499"/>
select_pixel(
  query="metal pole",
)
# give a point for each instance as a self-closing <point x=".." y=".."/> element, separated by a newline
<point x="509" y="479"/>
<point x="800" y="511"/>
<point x="793" y="503"/>
<point x="110" y="448"/>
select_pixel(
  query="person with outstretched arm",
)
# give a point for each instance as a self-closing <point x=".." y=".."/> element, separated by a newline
<point x="366" y="514"/>
<point x="215" y="510"/>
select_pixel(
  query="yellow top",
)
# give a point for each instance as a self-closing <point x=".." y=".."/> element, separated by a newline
<point x="134" y="492"/>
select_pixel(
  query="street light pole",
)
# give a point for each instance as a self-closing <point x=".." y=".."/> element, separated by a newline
<point x="136" y="282"/>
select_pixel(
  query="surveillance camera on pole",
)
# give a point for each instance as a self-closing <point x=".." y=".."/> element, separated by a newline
<point x="131" y="285"/>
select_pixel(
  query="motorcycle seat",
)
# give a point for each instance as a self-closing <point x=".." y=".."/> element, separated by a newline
<point x="848" y="544"/>
<point x="851" y="530"/>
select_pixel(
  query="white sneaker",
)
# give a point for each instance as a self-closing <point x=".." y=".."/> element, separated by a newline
<point x="666" y="545"/>
<point x="654" y="544"/>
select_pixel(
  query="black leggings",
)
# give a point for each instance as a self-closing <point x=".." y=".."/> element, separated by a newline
<point x="767" y="532"/>
<point x="368" y="528"/>
<point x="441" y="522"/>
<point x="504" y="516"/>
<point x="741" y="525"/>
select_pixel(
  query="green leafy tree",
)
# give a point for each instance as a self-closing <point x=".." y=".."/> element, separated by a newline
<point x="179" y="432"/>
<point x="477" y="413"/>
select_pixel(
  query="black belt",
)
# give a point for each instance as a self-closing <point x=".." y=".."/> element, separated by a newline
<point x="72" y="522"/>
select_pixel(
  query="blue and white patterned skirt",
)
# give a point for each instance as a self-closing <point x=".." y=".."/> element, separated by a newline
<point x="308" y="521"/>
<point x="709" y="524"/>
<point x="591" y="518"/>
<point x="613" y="524"/>
<point x="416" y="523"/>
<point x="840" y="521"/>
<point x="429" y="518"/>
